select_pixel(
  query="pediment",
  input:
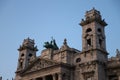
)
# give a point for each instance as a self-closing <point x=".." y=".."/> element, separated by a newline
<point x="39" y="64"/>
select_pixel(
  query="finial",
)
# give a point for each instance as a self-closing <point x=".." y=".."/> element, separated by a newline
<point x="52" y="37"/>
<point x="28" y="38"/>
<point x="64" y="46"/>
<point x="117" y="53"/>
<point x="65" y="41"/>
<point x="93" y="8"/>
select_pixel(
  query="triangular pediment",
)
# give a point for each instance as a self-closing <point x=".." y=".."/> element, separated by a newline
<point x="39" y="64"/>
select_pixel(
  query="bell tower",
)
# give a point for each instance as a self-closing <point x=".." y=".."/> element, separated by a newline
<point x="94" y="54"/>
<point x="27" y="53"/>
<point x="93" y="34"/>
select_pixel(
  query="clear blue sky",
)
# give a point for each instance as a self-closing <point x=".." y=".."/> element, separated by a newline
<point x="42" y="19"/>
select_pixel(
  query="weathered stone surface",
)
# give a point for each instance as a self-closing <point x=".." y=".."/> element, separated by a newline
<point x="66" y="63"/>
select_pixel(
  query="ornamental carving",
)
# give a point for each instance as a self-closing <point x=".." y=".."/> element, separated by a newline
<point x="40" y="64"/>
<point x="88" y="67"/>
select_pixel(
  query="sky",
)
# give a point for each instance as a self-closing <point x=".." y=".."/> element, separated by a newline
<point x="42" y="19"/>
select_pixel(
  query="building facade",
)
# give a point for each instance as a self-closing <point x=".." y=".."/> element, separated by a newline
<point x="66" y="63"/>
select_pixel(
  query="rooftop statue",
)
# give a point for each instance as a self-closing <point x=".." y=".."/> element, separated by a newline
<point x="52" y="44"/>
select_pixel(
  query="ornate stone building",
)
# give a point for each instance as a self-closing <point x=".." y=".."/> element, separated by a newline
<point x="66" y="63"/>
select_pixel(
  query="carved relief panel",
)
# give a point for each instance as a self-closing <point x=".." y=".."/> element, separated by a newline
<point x="40" y="64"/>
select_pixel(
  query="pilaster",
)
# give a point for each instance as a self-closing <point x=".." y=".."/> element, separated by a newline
<point x="60" y="76"/>
<point x="54" y="77"/>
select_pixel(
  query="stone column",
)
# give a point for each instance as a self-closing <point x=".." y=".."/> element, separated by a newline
<point x="53" y="77"/>
<point x="59" y="76"/>
<point x="118" y="74"/>
<point x="119" y="77"/>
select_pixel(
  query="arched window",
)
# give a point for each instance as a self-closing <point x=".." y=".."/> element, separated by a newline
<point x="30" y="55"/>
<point x="22" y="54"/>
<point x="99" y="30"/>
<point x="89" y="42"/>
<point x="78" y="60"/>
<point x="100" y="42"/>
<point x="88" y="30"/>
<point x="21" y="64"/>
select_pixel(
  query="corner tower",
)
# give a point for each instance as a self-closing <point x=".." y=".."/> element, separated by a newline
<point x="27" y="53"/>
<point x="94" y="54"/>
